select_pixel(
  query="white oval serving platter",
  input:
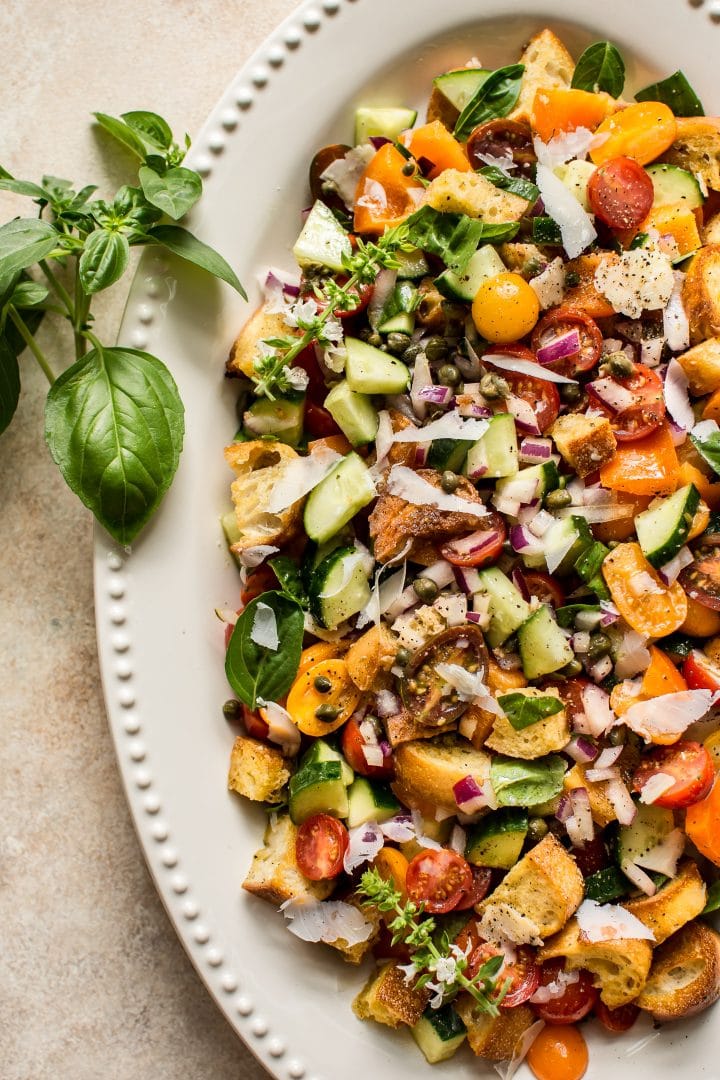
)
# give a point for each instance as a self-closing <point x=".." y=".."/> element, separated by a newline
<point x="161" y="646"/>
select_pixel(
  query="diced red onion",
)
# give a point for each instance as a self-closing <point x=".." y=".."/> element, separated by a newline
<point x="378" y="141"/>
<point x="523" y="541"/>
<point x="436" y="395"/>
<point x="422" y="377"/>
<point x="601" y="669"/>
<point x="580" y="749"/>
<point x="368" y="732"/>
<point x="639" y="878"/>
<point x="621" y="801"/>
<point x="474" y="544"/>
<point x="524" y="414"/>
<point x="580" y="642"/>
<point x="594" y="495"/>
<point x="587" y="620"/>
<point x="677" y="433"/>
<point x="421" y="454"/>
<point x="382" y="290"/>
<point x="651" y="350"/>
<point x="506" y="505"/>
<point x="469" y="796"/>
<point x="441" y="573"/>
<point x="526" y="513"/>
<point x="609" y="756"/>
<point x="468" y="578"/>
<point x="474" y="410"/>
<point x="597" y="716"/>
<point x="670" y="571"/>
<point x="518" y="580"/>
<point x="540" y="523"/>
<point x="616" y="397"/>
<point x="599" y="776"/>
<point x="479" y="618"/>
<point x="561" y="346"/>
<point x="373" y="755"/>
<point x="453" y="608"/>
<point x="609" y="614"/>
<point x="564" y="810"/>
<point x="534" y="449"/>
<point x="584" y="827"/>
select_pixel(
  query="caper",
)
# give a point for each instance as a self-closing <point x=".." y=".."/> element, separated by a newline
<point x="493" y="386"/>
<point x="397" y="343"/>
<point x="408" y="168"/>
<point x="436" y="348"/>
<point x="618" y="735"/>
<point x="572" y="279"/>
<point x="374" y="339"/>
<point x="403" y="656"/>
<point x="322" y="684"/>
<point x="537" y="829"/>
<point x="556" y="500"/>
<point x="449" y="482"/>
<point x="231" y="709"/>
<point x="449" y="375"/>
<point x="425" y="589"/>
<point x="412" y="352"/>
<point x="327" y="713"/>
<point x="570" y="393"/>
<point x="572" y="669"/>
<point x="620" y="365"/>
<point x="600" y="645"/>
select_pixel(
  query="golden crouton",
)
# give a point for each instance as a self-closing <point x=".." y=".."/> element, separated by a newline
<point x="620" y="967"/>
<point x="544" y="737"/>
<point x="685" y="975"/>
<point x="477" y="723"/>
<point x="427" y="771"/>
<point x="545" y="888"/>
<point x="257" y="771"/>
<point x="259" y="465"/>
<point x="259" y="326"/>
<point x="602" y="810"/>
<point x="403" y="728"/>
<point x="679" y="901"/>
<point x="469" y="193"/>
<point x="697" y="148"/>
<point x="548" y="66"/>
<point x="584" y="442"/>
<point x="701" y="365"/>
<point x="370" y="655"/>
<point x="494" y="1037"/>
<point x="389" y="1000"/>
<point x="355" y="954"/>
<point x="701" y="294"/>
<point x="711" y="230"/>
<point x="274" y="875"/>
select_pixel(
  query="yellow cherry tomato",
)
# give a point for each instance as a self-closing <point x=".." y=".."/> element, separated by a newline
<point x="505" y="308"/>
<point x="324" y="684"/>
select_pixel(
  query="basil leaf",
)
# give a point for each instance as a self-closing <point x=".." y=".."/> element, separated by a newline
<point x="9" y="384"/>
<point x="526" y="783"/>
<point x="114" y="425"/>
<point x="453" y="237"/>
<point x="709" y="449"/>
<point x="601" y="67"/>
<point x="104" y="260"/>
<point x="713" y="899"/>
<point x="24" y="241"/>
<point x="175" y="192"/>
<point x="181" y="242"/>
<point x="288" y="574"/>
<point x="255" y="671"/>
<point x="151" y="128"/>
<point x="523" y="711"/>
<point x="495" y="98"/>
<point x="28" y="294"/>
<point x="24" y="187"/>
<point x="122" y="132"/>
<point x="514" y="184"/>
<point x="675" y="92"/>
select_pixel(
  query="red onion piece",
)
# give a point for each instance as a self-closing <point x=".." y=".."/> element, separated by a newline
<point x="622" y="802"/>
<point x="477" y="617"/>
<point x="475" y="543"/>
<point x="421" y="454"/>
<point x="523" y="413"/>
<point x="609" y="614"/>
<point x="561" y="346"/>
<point x="468" y="578"/>
<point x="442" y="573"/>
<point x="378" y="141"/>
<point x="523" y="541"/>
<point x="534" y="449"/>
<point x="422" y="377"/>
<point x="436" y="395"/>
<point x="616" y="397"/>
<point x="564" y="810"/>
<point x="581" y="749"/>
<point x="469" y="796"/>
<point x="609" y="756"/>
<point x="670" y="571"/>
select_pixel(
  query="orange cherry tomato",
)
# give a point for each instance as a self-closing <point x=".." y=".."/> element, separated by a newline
<point x="711" y="409"/>
<point x="647" y="466"/>
<point x="690" y="765"/>
<point x="648" y="605"/>
<point x="314" y="654"/>
<point x="439" y="879"/>
<point x="555" y="111"/>
<point x="702" y="825"/>
<point x="385" y="196"/>
<point x="436" y="144"/>
<point x="558" y="1053"/>
<point x="643" y="131"/>
<point x="709" y="491"/>
<point x="320" y="846"/>
<point x="661" y="677"/>
<point x="621" y="193"/>
<point x="392" y="865"/>
<point x="305" y="699"/>
<point x="700" y="621"/>
<point x="505" y="308"/>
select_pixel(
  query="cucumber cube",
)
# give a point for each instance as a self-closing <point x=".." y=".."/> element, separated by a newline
<point x="323" y="241"/>
<point x="353" y="413"/>
<point x="372" y="371"/>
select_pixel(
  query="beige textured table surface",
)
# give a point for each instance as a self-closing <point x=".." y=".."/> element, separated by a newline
<point x="94" y="982"/>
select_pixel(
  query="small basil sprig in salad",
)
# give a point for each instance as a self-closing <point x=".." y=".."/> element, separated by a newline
<point x="601" y="67"/>
<point x="114" y="418"/>
<point x="495" y="98"/>
<point x="523" y="711"/>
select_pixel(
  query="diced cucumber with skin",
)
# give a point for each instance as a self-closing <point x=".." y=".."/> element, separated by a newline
<point x="662" y="530"/>
<point x="558" y="536"/>
<point x="507" y="609"/>
<point x="323" y="241"/>
<point x="338" y="587"/>
<point x="649" y="828"/>
<point x="371" y="371"/>
<point x="459" y="86"/>
<point x="413" y="264"/>
<point x="483" y="265"/>
<point x="387" y="122"/>
<point x="439" y="1033"/>
<point x="495" y="454"/>
<point x="402" y="323"/>
<point x="370" y="801"/>
<point x="282" y="418"/>
<point x="674" y="185"/>
<point x="398" y="314"/>
<point x="354" y="414"/>
<point x="497" y="839"/>
<point x="322" y="751"/>
<point x="606" y="885"/>
<point x="230" y="527"/>
<point x="588" y="564"/>
<point x="448" y="454"/>
<point x="345" y="490"/>
<point x="318" y="789"/>
<point x="542" y="644"/>
<point x="547" y="475"/>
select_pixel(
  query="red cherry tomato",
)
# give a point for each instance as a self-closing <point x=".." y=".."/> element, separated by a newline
<point x="621" y="193"/>
<point x="647" y="410"/>
<point x="360" y="293"/>
<point x="480" y="547"/>
<point x="593" y="857"/>
<point x="316" y="391"/>
<point x="258" y="581"/>
<point x="573" y="1004"/>
<point x="254" y="724"/>
<point x="523" y="974"/>
<point x="690" y="765"/>
<point x="498" y="138"/>
<point x="481" y="882"/>
<point x="318" y="423"/>
<point x="320" y="846"/>
<point x="543" y="396"/>
<point x="561" y="321"/>
<point x="384" y="949"/>
<point x="438" y="879"/>
<point x="544" y="587"/>
<point x="618" y="1020"/>
<point x="700" y="673"/>
<point x="701" y="579"/>
<point x="352" y="748"/>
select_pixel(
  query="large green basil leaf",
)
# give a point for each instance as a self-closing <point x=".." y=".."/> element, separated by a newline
<point x="601" y="67"/>
<point x="174" y="192"/>
<point x="151" y="128"/>
<point x="122" y="132"/>
<point x="255" y="671"/>
<point x="495" y="98"/>
<point x="9" y="384"/>
<point x="183" y="243"/>
<point x="24" y="187"/>
<point x="114" y="425"/>
<point x="24" y="241"/>
<point x="526" y="783"/>
<point x="453" y="237"/>
<point x="104" y="260"/>
<point x="675" y="92"/>
<point x="522" y="711"/>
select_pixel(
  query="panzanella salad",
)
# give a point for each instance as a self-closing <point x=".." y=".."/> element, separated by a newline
<point x="477" y="520"/>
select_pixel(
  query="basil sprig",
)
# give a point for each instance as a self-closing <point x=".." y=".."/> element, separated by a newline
<point x="675" y="92"/>
<point x="494" y="99"/>
<point x="454" y="237"/>
<point x="523" y="711"/>
<point x="601" y="67"/>
<point x="526" y="783"/>
<point x="255" y="671"/>
<point x="708" y="449"/>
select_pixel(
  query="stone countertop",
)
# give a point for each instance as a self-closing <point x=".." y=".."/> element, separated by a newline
<point x="94" y="982"/>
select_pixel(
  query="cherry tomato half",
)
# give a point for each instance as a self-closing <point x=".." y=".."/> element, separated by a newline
<point x="481" y="882"/>
<point x="523" y="974"/>
<point x="701" y="579"/>
<point x="647" y="411"/>
<point x="360" y="293"/>
<point x="563" y="320"/>
<point x="254" y="724"/>
<point x="258" y="581"/>
<point x="592" y="857"/>
<point x="621" y="193"/>
<point x="352" y="748"/>
<point x="438" y="879"/>
<point x="573" y="1004"/>
<point x="544" y="587"/>
<point x="700" y="673"/>
<point x="320" y="846"/>
<point x="318" y="422"/>
<point x="688" y="763"/>
<point x="480" y="547"/>
<point x="541" y="395"/>
<point x="422" y="689"/>
<point x="325" y="157"/>
<point x="618" y="1020"/>
<point x="500" y="138"/>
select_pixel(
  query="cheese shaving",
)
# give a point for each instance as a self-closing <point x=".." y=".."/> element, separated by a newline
<point x="469" y="686"/>
<point x="609" y="922"/>
<point x="330" y="921"/>
<point x="299" y="476"/>
<point x="669" y="714"/>
<point x="450" y="426"/>
<point x="639" y="280"/>
<point x="576" y="227"/>
<point x="407" y="485"/>
<point x="264" y="630"/>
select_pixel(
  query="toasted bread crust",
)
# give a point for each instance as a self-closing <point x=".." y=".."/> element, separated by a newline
<point x="274" y="875"/>
<point x="257" y="771"/>
<point x="544" y="737"/>
<point x="548" y="66"/>
<point x="685" y="975"/>
<point x="701" y="294"/>
<point x="389" y="1000"/>
<point x="621" y="967"/>
<point x="585" y="442"/>
<point x="494" y="1037"/>
<point x="697" y="148"/>
<point x="469" y="193"/>
<point x="426" y="771"/>
<point x="701" y="365"/>
<point x="679" y="901"/>
<point x="260" y="325"/>
<point x="258" y="465"/>
<point x="601" y="808"/>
